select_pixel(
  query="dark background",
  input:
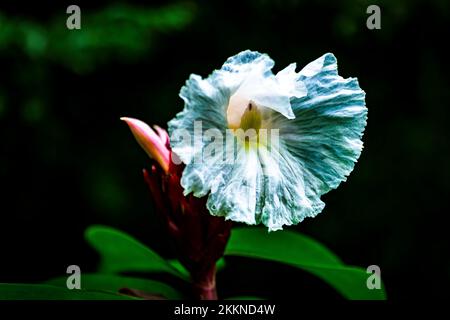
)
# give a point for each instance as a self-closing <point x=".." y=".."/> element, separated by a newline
<point x="67" y="161"/>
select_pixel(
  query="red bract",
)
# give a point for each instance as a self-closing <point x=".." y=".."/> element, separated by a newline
<point x="200" y="238"/>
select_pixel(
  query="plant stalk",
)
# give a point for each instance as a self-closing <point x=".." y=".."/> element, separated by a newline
<point x="204" y="285"/>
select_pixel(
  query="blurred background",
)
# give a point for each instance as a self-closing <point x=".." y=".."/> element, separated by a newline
<point x="67" y="161"/>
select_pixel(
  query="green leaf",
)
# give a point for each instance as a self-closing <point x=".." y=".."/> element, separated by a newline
<point x="177" y="265"/>
<point x="16" y="291"/>
<point x="220" y="265"/>
<point x="121" y="253"/>
<point x="113" y="283"/>
<point x="305" y="253"/>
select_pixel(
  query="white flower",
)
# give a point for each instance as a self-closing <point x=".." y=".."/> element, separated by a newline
<point x="320" y="118"/>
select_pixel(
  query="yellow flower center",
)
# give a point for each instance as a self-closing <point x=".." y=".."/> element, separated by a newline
<point x="251" y="119"/>
<point x="245" y="119"/>
<point x="243" y="113"/>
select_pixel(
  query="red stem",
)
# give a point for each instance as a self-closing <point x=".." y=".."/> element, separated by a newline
<point x="204" y="286"/>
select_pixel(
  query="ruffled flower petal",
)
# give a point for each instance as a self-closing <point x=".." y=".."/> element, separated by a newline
<point x="320" y="117"/>
<point x="325" y="136"/>
<point x="249" y="74"/>
<point x="205" y="103"/>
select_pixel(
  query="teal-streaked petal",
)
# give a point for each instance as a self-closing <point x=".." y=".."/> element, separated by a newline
<point x="325" y="137"/>
<point x="237" y="67"/>
<point x="289" y="81"/>
<point x="249" y="74"/>
<point x="237" y="195"/>
<point x="205" y="102"/>
<point x="206" y="174"/>
<point x="286" y="197"/>
<point x="319" y="147"/>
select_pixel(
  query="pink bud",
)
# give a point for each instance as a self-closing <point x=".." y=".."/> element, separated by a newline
<point x="163" y="135"/>
<point x="155" y="145"/>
